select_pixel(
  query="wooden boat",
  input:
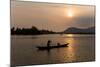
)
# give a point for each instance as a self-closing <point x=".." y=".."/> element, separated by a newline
<point x="51" y="47"/>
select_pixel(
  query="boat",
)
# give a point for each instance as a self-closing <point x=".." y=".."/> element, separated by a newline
<point x="52" y="47"/>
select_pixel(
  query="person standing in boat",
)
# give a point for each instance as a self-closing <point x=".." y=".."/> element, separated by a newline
<point x="48" y="43"/>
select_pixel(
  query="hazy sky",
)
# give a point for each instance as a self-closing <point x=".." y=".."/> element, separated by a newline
<point x="89" y="2"/>
<point x="55" y="17"/>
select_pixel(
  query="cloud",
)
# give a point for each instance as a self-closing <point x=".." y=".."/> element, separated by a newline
<point x="84" y="21"/>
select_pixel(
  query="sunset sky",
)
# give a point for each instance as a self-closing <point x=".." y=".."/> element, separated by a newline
<point x="51" y="16"/>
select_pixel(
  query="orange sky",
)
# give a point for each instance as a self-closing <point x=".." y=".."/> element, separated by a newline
<point x="55" y="17"/>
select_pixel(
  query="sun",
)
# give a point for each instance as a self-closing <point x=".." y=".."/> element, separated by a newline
<point x="70" y="14"/>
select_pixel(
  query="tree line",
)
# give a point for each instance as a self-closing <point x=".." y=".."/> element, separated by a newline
<point x="29" y="31"/>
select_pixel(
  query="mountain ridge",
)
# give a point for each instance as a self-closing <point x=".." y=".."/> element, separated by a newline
<point x="75" y="30"/>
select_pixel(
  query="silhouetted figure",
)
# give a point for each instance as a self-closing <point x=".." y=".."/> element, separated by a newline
<point x="58" y="44"/>
<point x="48" y="43"/>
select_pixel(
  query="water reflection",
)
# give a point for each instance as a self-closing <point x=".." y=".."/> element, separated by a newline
<point x="69" y="35"/>
<point x="71" y="49"/>
<point x="24" y="49"/>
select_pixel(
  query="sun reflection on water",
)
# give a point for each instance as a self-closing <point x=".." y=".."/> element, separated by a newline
<point x="69" y="35"/>
<point x="70" y="50"/>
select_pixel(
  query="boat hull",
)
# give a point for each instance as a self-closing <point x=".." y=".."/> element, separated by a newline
<point x="51" y="47"/>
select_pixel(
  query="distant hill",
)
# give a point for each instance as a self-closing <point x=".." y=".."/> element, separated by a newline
<point x="75" y="30"/>
<point x="34" y="31"/>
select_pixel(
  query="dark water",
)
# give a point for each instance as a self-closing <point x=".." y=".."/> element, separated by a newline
<point x="24" y="51"/>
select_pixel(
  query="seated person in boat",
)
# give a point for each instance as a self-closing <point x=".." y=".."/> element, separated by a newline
<point x="58" y="44"/>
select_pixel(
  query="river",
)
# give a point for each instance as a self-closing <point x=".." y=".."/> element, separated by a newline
<point x="81" y="48"/>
